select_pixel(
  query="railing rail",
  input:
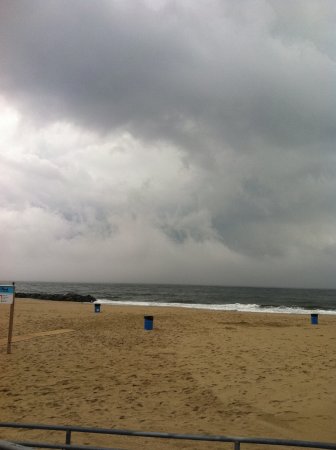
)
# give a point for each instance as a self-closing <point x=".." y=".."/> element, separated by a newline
<point x="69" y="429"/>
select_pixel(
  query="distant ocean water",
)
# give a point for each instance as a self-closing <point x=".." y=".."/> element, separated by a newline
<point x="249" y="299"/>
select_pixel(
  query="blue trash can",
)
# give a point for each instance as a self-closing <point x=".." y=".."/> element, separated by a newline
<point x="314" y="319"/>
<point x="97" y="307"/>
<point x="148" y="325"/>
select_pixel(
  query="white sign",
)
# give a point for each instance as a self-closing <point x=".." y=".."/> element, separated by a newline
<point x="6" y="294"/>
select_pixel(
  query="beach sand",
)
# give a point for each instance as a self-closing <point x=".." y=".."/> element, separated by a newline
<point x="199" y="372"/>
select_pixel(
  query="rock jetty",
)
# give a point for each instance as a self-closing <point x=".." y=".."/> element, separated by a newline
<point x="69" y="297"/>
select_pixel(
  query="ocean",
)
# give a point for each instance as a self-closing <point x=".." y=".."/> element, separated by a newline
<point x="223" y="298"/>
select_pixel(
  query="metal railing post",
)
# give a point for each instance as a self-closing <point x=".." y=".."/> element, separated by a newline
<point x="236" y="445"/>
<point x="68" y="437"/>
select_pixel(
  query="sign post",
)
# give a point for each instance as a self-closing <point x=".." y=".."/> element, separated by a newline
<point x="7" y="296"/>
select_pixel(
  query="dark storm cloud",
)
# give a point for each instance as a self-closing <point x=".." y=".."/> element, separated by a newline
<point x="231" y="110"/>
<point x="177" y="73"/>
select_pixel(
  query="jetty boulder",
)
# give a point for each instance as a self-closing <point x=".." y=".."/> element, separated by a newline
<point x="68" y="297"/>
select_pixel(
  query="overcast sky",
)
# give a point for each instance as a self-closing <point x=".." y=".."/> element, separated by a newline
<point x="168" y="141"/>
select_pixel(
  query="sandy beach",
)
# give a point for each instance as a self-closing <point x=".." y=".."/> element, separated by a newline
<point x="200" y="372"/>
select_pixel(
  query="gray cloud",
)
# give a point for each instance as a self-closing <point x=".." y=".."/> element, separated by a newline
<point x="169" y="133"/>
<point x="177" y="73"/>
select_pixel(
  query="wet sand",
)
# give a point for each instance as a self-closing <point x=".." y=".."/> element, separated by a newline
<point x="199" y="372"/>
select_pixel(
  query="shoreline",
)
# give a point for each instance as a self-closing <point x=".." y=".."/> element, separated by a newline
<point x="87" y="309"/>
<point x="225" y="307"/>
<point x="236" y="307"/>
<point x="197" y="371"/>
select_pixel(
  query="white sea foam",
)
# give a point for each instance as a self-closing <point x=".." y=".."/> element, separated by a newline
<point x="224" y="307"/>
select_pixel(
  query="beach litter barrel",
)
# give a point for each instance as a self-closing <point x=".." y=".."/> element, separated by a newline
<point x="148" y="323"/>
<point x="314" y="319"/>
<point x="97" y="307"/>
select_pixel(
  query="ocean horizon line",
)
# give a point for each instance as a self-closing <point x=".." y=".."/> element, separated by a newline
<point x="173" y="284"/>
